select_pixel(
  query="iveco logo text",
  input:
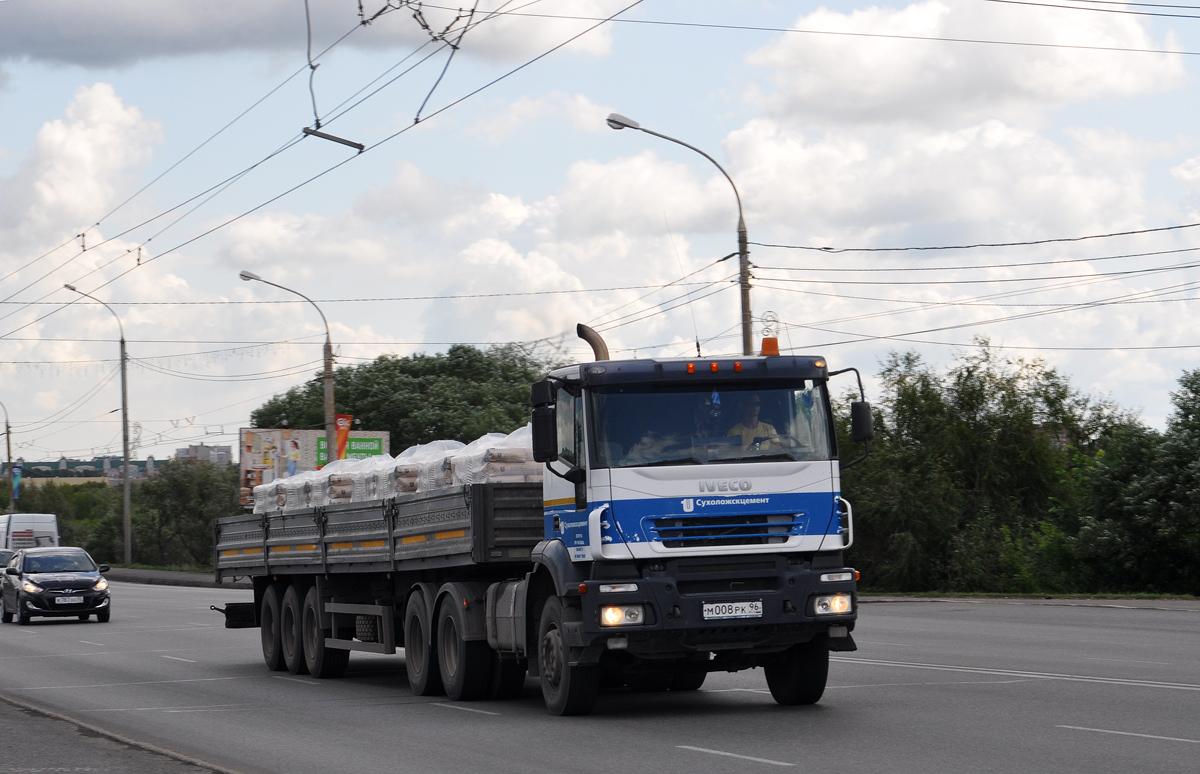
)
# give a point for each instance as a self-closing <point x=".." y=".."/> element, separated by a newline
<point x="732" y="485"/>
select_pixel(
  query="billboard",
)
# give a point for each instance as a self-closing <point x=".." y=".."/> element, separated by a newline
<point x="269" y="454"/>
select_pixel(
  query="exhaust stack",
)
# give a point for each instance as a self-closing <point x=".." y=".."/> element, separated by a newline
<point x="594" y="339"/>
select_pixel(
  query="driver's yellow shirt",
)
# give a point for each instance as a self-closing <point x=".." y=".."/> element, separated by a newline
<point x="748" y="434"/>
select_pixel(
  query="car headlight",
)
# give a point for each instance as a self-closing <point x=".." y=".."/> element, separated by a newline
<point x="622" y="615"/>
<point x="101" y="585"/>
<point x="832" y="604"/>
<point x="32" y="588"/>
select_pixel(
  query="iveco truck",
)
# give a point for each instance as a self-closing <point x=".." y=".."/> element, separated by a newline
<point x="689" y="520"/>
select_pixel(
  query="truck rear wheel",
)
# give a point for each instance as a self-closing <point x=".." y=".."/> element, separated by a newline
<point x="322" y="662"/>
<point x="800" y="674"/>
<point x="568" y="690"/>
<point x="290" y="635"/>
<point x="272" y="647"/>
<point x="688" y="681"/>
<point x="419" y="657"/>
<point x="466" y="666"/>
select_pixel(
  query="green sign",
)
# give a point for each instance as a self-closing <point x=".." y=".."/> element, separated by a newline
<point x="356" y="449"/>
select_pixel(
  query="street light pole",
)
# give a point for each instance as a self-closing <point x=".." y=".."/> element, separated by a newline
<point x="12" y="495"/>
<point x="617" y="121"/>
<point x="128" y="508"/>
<point x="330" y="432"/>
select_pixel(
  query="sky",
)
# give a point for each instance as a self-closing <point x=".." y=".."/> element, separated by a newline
<point x="915" y="177"/>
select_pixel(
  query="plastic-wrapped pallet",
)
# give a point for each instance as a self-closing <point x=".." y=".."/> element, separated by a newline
<point x="371" y="477"/>
<point x="335" y="483"/>
<point x="430" y="463"/>
<point x="496" y="458"/>
<point x="267" y="497"/>
<point x="461" y="458"/>
<point x="296" y="491"/>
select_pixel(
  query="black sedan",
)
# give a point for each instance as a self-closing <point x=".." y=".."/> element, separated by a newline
<point x="53" y="582"/>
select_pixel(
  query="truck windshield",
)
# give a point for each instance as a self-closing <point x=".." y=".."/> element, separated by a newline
<point x="642" y="425"/>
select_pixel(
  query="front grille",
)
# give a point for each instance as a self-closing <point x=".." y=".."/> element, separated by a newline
<point x="724" y="530"/>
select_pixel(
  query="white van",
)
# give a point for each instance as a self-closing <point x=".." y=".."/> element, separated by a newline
<point x="28" y="530"/>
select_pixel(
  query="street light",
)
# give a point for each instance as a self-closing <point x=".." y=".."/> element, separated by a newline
<point x="124" y="429"/>
<point x="12" y="495"/>
<point x="618" y="121"/>
<point x="330" y="446"/>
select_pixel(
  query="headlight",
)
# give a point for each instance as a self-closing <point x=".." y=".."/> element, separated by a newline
<point x="101" y="585"/>
<point x="832" y="604"/>
<point x="32" y="588"/>
<point x="617" y="588"/>
<point x="835" y="577"/>
<point x="622" y="615"/>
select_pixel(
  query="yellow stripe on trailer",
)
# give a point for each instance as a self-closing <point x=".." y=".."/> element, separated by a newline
<point x="307" y="547"/>
<point x="276" y="549"/>
<point x="412" y="539"/>
<point x="373" y="543"/>
<point x="452" y="534"/>
<point x="251" y="550"/>
<point x="234" y="552"/>
<point x="341" y="545"/>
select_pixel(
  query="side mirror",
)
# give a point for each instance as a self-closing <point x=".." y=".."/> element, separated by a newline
<point x="545" y="433"/>
<point x="104" y="568"/>
<point x="576" y="475"/>
<point x="13" y="571"/>
<point x="542" y="393"/>
<point x="862" y="422"/>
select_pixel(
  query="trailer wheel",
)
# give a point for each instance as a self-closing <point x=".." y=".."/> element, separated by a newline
<point x="272" y="647"/>
<point x="568" y="690"/>
<point x="322" y="662"/>
<point x="419" y="658"/>
<point x="799" y="676"/>
<point x="290" y="635"/>
<point x="508" y="677"/>
<point x="466" y="666"/>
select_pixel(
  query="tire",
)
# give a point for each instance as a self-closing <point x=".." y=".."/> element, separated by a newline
<point x="84" y="616"/>
<point x="321" y="662"/>
<point x="290" y="635"/>
<point x="466" y="666"/>
<point x="23" y="617"/>
<point x="799" y="676"/>
<point x="104" y="615"/>
<point x="508" y="677"/>
<point x="272" y="646"/>
<point x="568" y="690"/>
<point x="688" y="681"/>
<point x="420" y="658"/>
<point x="5" y="613"/>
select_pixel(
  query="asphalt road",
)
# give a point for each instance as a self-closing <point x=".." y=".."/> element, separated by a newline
<point x="956" y="686"/>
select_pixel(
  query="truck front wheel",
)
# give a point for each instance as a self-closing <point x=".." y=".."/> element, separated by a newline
<point x="419" y="661"/>
<point x="800" y="674"/>
<point x="466" y="666"/>
<point x="568" y="690"/>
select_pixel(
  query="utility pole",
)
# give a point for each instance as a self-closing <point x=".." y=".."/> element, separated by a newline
<point x="12" y="494"/>
<point x="125" y="483"/>
<point x="617" y="121"/>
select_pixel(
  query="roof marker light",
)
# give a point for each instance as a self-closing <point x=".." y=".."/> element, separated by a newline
<point x="691" y="368"/>
<point x="737" y="368"/>
<point x="714" y="367"/>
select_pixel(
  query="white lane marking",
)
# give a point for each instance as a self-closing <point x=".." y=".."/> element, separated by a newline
<point x="464" y="709"/>
<point x="940" y="682"/>
<point x="888" y="644"/>
<point x="97" y="644"/>
<point x="1018" y="673"/>
<point x="1128" y="661"/>
<point x="733" y="755"/>
<point x="1129" y="733"/>
<point x="300" y="680"/>
<point x="177" y="658"/>
<point x="735" y="690"/>
<point x="118" y="685"/>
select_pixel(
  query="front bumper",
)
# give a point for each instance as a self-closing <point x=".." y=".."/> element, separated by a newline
<point x="45" y="604"/>
<point x="674" y="595"/>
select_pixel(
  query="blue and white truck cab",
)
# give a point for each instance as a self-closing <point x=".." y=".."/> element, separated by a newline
<point x="693" y="510"/>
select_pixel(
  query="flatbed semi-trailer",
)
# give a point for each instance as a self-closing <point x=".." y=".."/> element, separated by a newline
<point x="663" y="543"/>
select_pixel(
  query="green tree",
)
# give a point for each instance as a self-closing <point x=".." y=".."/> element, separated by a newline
<point x="175" y="511"/>
<point x="459" y="395"/>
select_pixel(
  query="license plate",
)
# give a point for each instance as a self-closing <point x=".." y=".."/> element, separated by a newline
<point x="718" y="610"/>
<point x="69" y="601"/>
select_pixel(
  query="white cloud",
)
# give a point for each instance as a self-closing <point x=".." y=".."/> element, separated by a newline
<point x="584" y="115"/>
<point x="1187" y="173"/>
<point x="852" y="78"/>
<point x="121" y="32"/>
